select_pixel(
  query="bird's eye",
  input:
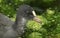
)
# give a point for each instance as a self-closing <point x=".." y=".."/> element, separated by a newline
<point x="27" y="11"/>
<point x="30" y="13"/>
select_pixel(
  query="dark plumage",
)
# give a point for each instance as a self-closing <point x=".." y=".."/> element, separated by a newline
<point x="10" y="30"/>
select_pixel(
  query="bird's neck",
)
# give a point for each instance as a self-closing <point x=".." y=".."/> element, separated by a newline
<point x="20" y="24"/>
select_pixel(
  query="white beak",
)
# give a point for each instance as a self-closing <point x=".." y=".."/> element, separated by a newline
<point x="33" y="12"/>
<point x="35" y="17"/>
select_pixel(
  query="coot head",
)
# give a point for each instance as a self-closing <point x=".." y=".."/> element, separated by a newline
<point x="27" y="12"/>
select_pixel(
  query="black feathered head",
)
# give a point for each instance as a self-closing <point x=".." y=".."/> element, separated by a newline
<point x="27" y="12"/>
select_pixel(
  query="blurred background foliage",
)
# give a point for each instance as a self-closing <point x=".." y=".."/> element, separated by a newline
<point x="47" y="10"/>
